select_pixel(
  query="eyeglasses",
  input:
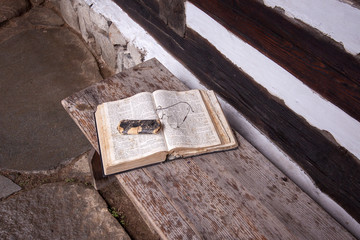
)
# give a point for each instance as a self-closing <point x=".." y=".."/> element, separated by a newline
<point x="175" y="114"/>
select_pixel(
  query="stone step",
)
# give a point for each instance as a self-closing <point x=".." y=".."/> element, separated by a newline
<point x="58" y="211"/>
<point x="7" y="187"/>
<point x="41" y="62"/>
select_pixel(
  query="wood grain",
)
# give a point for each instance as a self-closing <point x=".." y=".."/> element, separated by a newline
<point x="236" y="194"/>
<point x="228" y="195"/>
<point x="149" y="76"/>
<point x="314" y="59"/>
<point x="333" y="169"/>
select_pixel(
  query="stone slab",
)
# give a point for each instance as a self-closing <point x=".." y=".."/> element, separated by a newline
<point x="116" y="37"/>
<point x="39" y="66"/>
<point x="37" y="2"/>
<point x="7" y="187"/>
<point x="69" y="14"/>
<point x="44" y="17"/>
<point x="58" y="211"/>
<point x="12" y="8"/>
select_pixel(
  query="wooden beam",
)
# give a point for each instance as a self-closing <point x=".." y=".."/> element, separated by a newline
<point x="354" y="3"/>
<point x="333" y="169"/>
<point x="315" y="60"/>
<point x="171" y="12"/>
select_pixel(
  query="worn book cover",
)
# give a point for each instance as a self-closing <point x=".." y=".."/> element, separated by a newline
<point x="191" y="123"/>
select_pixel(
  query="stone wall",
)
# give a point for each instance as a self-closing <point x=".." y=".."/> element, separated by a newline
<point x="105" y="40"/>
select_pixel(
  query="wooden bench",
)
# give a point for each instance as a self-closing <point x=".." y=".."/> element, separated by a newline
<point x="237" y="194"/>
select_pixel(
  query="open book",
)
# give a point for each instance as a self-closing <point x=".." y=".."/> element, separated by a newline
<point x="192" y="123"/>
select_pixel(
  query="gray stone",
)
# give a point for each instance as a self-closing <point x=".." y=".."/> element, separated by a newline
<point x="95" y="30"/>
<point x="132" y="56"/>
<point x="37" y="2"/>
<point x="58" y="211"/>
<point x="99" y="21"/>
<point x="83" y="11"/>
<point x="119" y="60"/>
<point x="107" y="49"/>
<point x="55" y="4"/>
<point x="127" y="61"/>
<point x="12" y="8"/>
<point x="81" y="166"/>
<point x="44" y="17"/>
<point x="134" y="53"/>
<point x="39" y="68"/>
<point x="78" y="169"/>
<point x="69" y="14"/>
<point x="90" y="21"/>
<point x="7" y="187"/>
<point x="115" y="36"/>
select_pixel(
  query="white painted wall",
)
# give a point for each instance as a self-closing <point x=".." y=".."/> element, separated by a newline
<point x="338" y="20"/>
<point x="278" y="81"/>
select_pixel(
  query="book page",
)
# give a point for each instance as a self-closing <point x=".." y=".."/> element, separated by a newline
<point x="219" y="119"/>
<point x="185" y="119"/>
<point x="130" y="147"/>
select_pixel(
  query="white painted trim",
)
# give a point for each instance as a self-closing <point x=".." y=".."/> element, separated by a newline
<point x="279" y="82"/>
<point x="338" y="20"/>
<point x="282" y="161"/>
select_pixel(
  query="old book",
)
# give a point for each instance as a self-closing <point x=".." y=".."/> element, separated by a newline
<point x="192" y="123"/>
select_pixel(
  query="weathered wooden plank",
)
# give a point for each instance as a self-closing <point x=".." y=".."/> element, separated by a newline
<point x="224" y="195"/>
<point x="157" y="207"/>
<point x="315" y="60"/>
<point x="248" y="168"/>
<point x="243" y="182"/>
<point x="149" y="76"/>
<point x="333" y="169"/>
<point x="81" y="106"/>
<point x="215" y="213"/>
<point x="82" y="112"/>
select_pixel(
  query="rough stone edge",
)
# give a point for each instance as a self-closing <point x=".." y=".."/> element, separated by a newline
<point x="72" y="188"/>
<point x="102" y="36"/>
<point x="13" y="11"/>
<point x="7" y="187"/>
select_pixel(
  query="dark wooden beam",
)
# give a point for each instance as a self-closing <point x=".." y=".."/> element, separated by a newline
<point x="354" y="3"/>
<point x="171" y="12"/>
<point x="333" y="169"/>
<point x="315" y="60"/>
